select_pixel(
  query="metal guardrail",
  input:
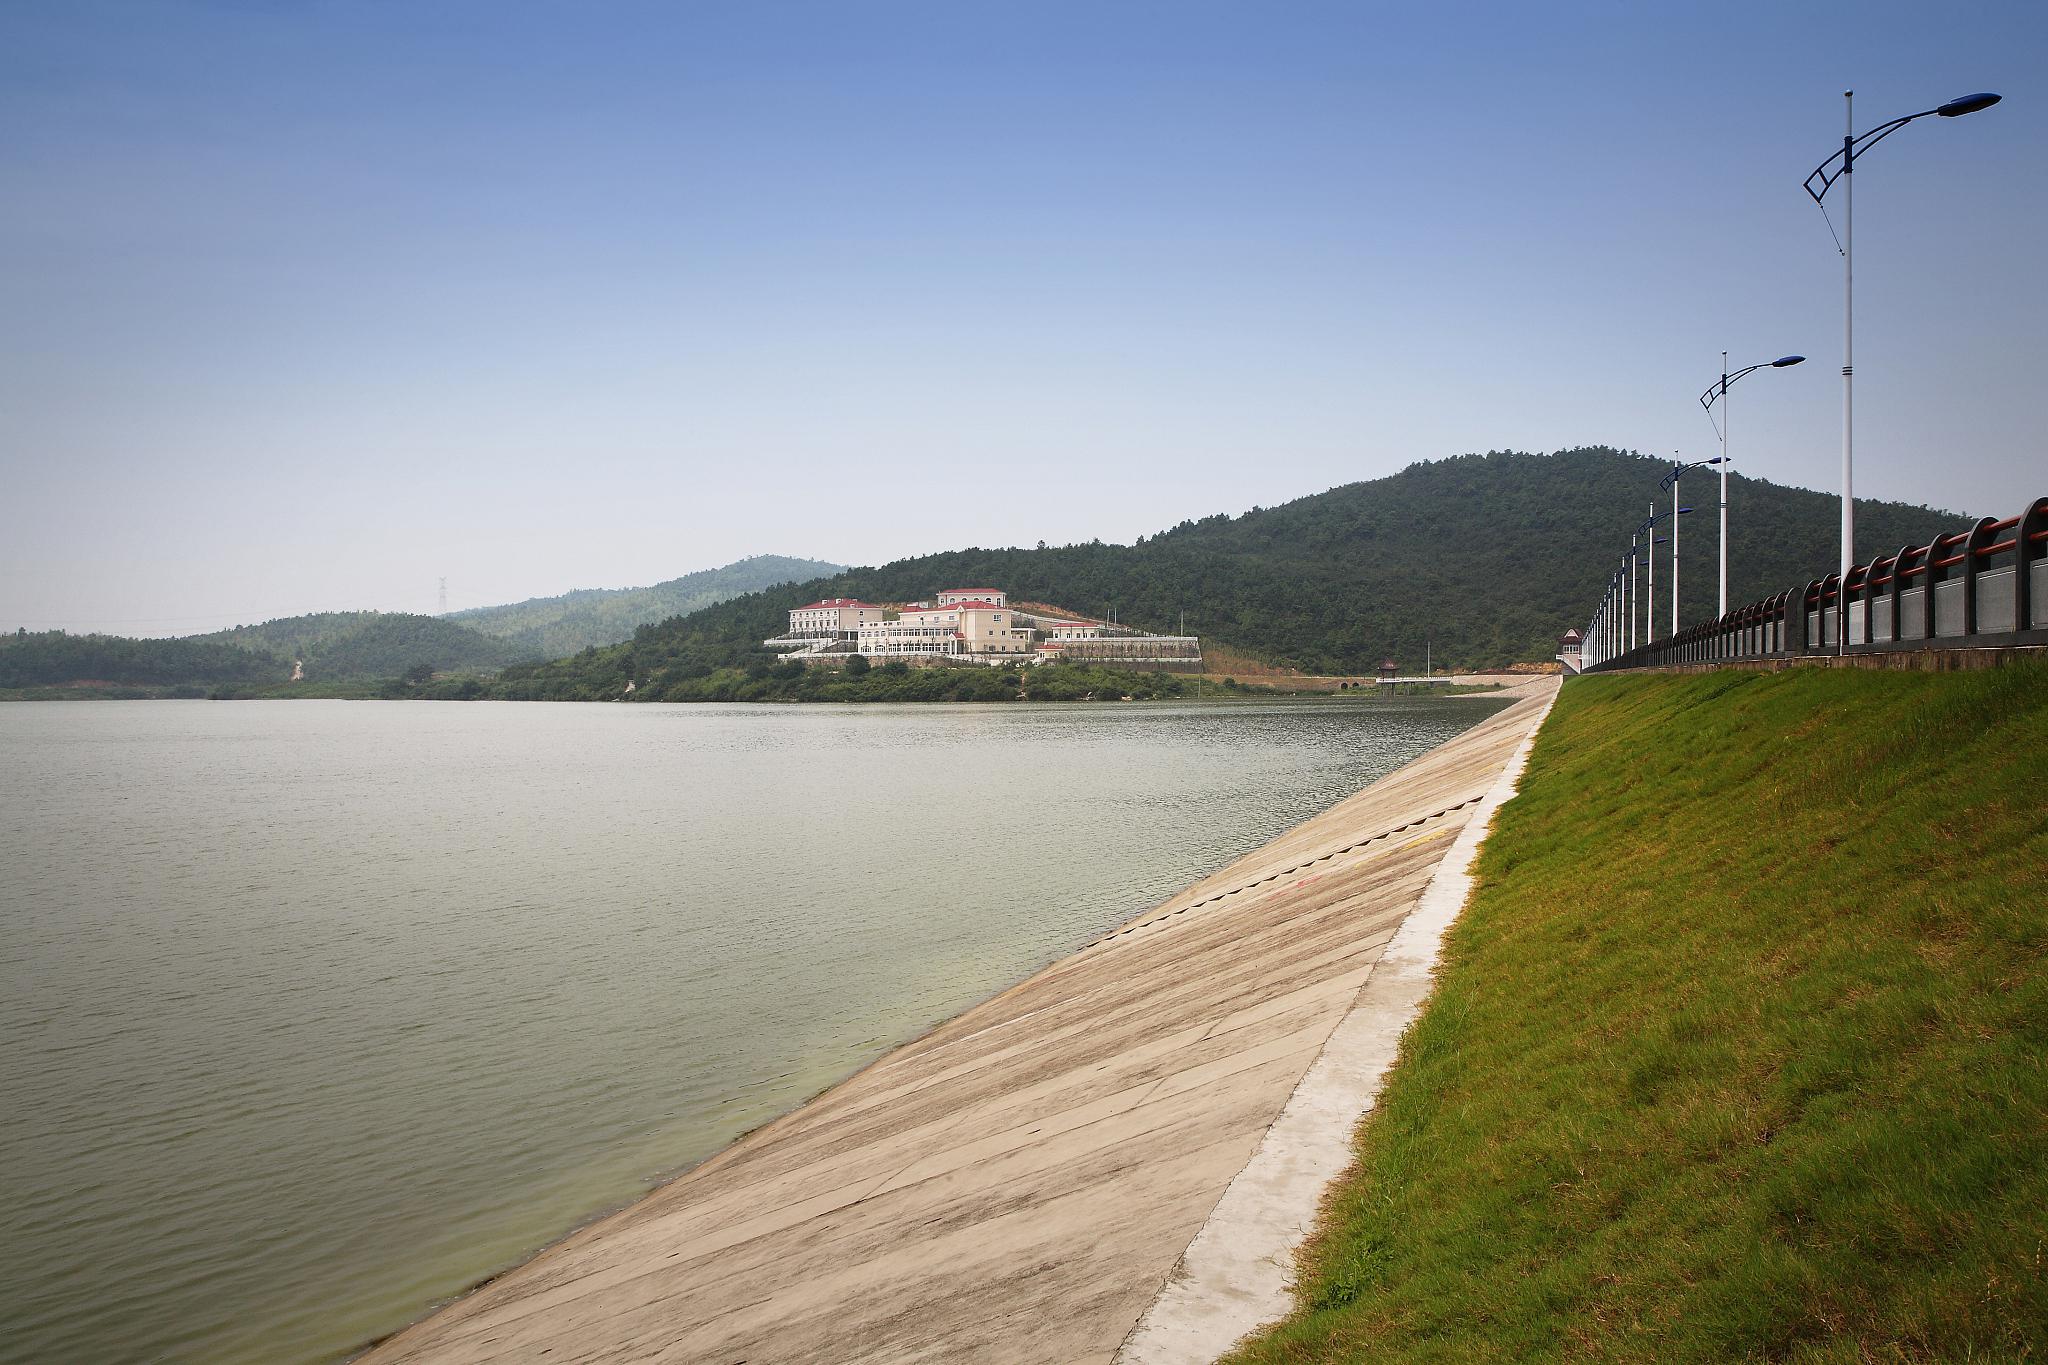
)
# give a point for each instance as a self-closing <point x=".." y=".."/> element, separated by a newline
<point x="1986" y="587"/>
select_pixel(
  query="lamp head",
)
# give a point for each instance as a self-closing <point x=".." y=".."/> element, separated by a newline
<point x="1968" y="104"/>
<point x="1782" y="361"/>
<point x="1683" y="510"/>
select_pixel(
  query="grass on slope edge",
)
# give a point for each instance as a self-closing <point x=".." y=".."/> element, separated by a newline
<point x="1740" y="1050"/>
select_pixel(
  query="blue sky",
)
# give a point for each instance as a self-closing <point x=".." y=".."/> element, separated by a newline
<point x="307" y="305"/>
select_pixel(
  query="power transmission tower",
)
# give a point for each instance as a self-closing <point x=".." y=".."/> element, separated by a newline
<point x="444" y="597"/>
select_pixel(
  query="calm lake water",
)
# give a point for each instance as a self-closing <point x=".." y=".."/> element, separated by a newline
<point x="313" y="1013"/>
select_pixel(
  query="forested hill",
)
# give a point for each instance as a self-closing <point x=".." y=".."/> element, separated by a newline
<point x="1488" y="558"/>
<point x="53" y="658"/>
<point x="337" y="645"/>
<point x="549" y="627"/>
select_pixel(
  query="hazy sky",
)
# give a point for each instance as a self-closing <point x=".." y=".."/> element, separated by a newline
<point x="309" y="304"/>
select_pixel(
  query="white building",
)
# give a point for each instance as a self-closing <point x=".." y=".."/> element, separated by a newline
<point x="835" y="618"/>
<point x="1071" y="630"/>
<point x="972" y="627"/>
<point x="953" y="597"/>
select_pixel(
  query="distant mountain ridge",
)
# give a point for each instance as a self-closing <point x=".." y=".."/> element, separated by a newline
<point x="1477" y="560"/>
<point x="550" y="627"/>
<point x="352" y="647"/>
<point x="332" y="646"/>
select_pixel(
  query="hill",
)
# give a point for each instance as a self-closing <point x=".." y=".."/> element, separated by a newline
<point x="550" y="627"/>
<point x="339" y="645"/>
<point x="1485" y="559"/>
<point x="53" y="658"/>
<point x="1766" y="1087"/>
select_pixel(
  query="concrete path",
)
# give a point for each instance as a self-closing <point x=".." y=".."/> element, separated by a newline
<point x="1019" y="1185"/>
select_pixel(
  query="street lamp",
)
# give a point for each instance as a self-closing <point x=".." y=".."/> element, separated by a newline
<point x="1602" y="640"/>
<point x="1670" y="481"/>
<point x="1650" y="588"/>
<point x="1635" y="557"/>
<point x="1650" y="591"/>
<point x="1837" y="167"/>
<point x="1627" y="608"/>
<point x="1720" y="392"/>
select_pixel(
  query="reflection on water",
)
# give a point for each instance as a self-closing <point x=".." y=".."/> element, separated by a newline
<point x="312" y="1013"/>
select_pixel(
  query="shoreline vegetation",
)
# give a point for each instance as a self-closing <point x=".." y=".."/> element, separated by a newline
<point x="775" y="683"/>
<point x="1735" y="1053"/>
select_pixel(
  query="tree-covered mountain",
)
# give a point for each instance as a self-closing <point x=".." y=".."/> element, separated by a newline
<point x="53" y="658"/>
<point x="549" y="627"/>
<point x="337" y="645"/>
<point x="1484" y="559"/>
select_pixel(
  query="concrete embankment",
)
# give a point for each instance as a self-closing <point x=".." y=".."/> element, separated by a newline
<point x="1021" y="1184"/>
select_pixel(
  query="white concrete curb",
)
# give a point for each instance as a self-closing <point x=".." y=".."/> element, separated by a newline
<point x="1237" y="1274"/>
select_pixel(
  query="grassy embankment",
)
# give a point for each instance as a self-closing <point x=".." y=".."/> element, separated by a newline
<point x="1739" y="1052"/>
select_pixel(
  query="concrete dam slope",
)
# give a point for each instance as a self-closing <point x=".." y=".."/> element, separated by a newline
<point x="1021" y="1184"/>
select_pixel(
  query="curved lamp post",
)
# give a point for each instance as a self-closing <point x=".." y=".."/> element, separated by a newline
<point x="1679" y="470"/>
<point x="1610" y="616"/>
<point x="1719" y="393"/>
<point x="1635" y="559"/>
<point x="1650" y="589"/>
<point x="1839" y="167"/>
<point x="1627" y="604"/>
<point x="1650" y="556"/>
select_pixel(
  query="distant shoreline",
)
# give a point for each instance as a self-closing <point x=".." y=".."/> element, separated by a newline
<point x="1212" y="691"/>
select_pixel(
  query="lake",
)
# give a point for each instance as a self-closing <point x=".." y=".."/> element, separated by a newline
<point x="314" y="1013"/>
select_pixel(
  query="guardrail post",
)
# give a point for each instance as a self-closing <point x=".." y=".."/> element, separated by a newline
<point x="1796" y="632"/>
<point x="2026" y="552"/>
<point x="1925" y="616"/>
<point x="1980" y="536"/>
<point x="1847" y="598"/>
<point x="1895" y="590"/>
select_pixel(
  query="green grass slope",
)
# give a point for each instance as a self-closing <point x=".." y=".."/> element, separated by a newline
<point x="550" y="627"/>
<point x="1740" y="1051"/>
